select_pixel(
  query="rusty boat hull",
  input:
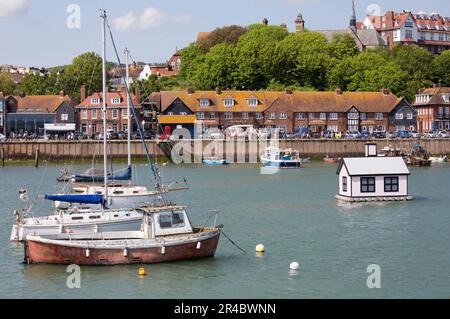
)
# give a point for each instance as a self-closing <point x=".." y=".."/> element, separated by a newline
<point x="202" y="244"/>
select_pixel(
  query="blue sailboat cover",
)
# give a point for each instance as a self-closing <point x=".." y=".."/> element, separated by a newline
<point x="79" y="198"/>
<point x="124" y="176"/>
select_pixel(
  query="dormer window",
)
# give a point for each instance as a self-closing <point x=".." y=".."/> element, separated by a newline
<point x="95" y="101"/>
<point x="204" y="102"/>
<point x="252" y="101"/>
<point x="115" y="100"/>
<point x="228" y="102"/>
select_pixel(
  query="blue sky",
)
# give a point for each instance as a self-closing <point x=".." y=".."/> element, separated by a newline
<point x="35" y="33"/>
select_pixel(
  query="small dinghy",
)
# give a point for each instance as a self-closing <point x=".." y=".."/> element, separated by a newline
<point x="215" y="162"/>
<point x="440" y="159"/>
<point x="331" y="160"/>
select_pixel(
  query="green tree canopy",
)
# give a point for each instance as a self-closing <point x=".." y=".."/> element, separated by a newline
<point x="228" y="35"/>
<point x="6" y="84"/>
<point x="441" y="68"/>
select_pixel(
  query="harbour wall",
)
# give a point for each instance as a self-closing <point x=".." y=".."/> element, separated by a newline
<point x="248" y="150"/>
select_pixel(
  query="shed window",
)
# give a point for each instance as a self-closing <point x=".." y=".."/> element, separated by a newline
<point x="367" y="184"/>
<point x="391" y="184"/>
<point x="344" y="183"/>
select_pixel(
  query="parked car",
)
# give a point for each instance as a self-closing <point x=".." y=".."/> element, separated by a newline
<point x="379" y="134"/>
<point x="354" y="134"/>
<point x="414" y="134"/>
<point x="402" y="134"/>
<point x="443" y="134"/>
<point x="429" y="134"/>
<point x="122" y="135"/>
<point x="364" y="134"/>
<point x="2" y="137"/>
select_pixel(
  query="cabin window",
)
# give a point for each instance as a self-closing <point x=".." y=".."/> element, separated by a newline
<point x="391" y="184"/>
<point x="77" y="218"/>
<point x="367" y="184"/>
<point x="171" y="220"/>
<point x="94" y="217"/>
<point x="344" y="183"/>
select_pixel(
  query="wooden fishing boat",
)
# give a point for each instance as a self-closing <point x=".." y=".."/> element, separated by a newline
<point x="419" y="156"/>
<point x="166" y="235"/>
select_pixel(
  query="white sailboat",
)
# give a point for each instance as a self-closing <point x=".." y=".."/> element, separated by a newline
<point x="99" y="208"/>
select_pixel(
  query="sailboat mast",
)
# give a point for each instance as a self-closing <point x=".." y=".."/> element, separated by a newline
<point x="128" y="108"/>
<point x="104" y="97"/>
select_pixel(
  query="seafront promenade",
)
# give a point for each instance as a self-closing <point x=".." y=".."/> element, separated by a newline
<point x="77" y="150"/>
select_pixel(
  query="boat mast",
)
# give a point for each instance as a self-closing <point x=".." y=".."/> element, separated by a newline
<point x="104" y="97"/>
<point x="128" y="108"/>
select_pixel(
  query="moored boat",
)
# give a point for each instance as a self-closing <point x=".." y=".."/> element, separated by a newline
<point x="213" y="161"/>
<point x="331" y="160"/>
<point x="166" y="235"/>
<point x="281" y="158"/>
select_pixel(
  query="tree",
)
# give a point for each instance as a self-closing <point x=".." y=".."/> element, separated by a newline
<point x="369" y="71"/>
<point x="441" y="68"/>
<point x="343" y="46"/>
<point x="255" y="56"/>
<point x="302" y="59"/>
<point x="6" y="84"/>
<point x="216" y="69"/>
<point x="86" y="69"/>
<point x="37" y="84"/>
<point x="192" y="56"/>
<point x="228" y="35"/>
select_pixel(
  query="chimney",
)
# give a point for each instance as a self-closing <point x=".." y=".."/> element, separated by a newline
<point x="22" y="94"/>
<point x="61" y="94"/>
<point x="218" y="91"/>
<point x="338" y="91"/>
<point x="385" y="91"/>
<point x="82" y="93"/>
<point x="436" y="85"/>
<point x="283" y="26"/>
<point x="137" y="92"/>
<point x="265" y="21"/>
<point x="287" y="91"/>
<point x="189" y="91"/>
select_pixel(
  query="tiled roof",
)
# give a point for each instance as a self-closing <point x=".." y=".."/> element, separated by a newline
<point x="216" y="100"/>
<point x="111" y="95"/>
<point x="332" y="102"/>
<point x="40" y="103"/>
<point x="296" y="101"/>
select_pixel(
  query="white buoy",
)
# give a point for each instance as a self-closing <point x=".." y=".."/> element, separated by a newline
<point x="260" y="248"/>
<point x="294" y="266"/>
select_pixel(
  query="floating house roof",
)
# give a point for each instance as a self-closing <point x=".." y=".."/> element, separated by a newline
<point x="376" y="165"/>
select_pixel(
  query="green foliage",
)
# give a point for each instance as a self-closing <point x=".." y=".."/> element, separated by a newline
<point x="441" y="68"/>
<point x="6" y="84"/>
<point x="36" y="84"/>
<point x="369" y="71"/>
<point x="86" y="69"/>
<point x="228" y="35"/>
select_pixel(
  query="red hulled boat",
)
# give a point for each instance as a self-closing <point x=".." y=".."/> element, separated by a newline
<point x="166" y="235"/>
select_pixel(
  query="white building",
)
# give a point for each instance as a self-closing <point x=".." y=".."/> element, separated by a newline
<point x="373" y="178"/>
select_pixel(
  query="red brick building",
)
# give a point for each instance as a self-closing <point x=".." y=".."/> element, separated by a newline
<point x="316" y="111"/>
<point x="433" y="109"/>
<point x="89" y="112"/>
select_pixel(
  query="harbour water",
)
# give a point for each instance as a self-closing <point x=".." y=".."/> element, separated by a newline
<point x="293" y="213"/>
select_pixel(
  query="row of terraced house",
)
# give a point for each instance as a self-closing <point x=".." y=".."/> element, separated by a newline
<point x="288" y="110"/>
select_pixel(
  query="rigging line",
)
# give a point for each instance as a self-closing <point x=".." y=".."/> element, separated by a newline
<point x="231" y="241"/>
<point x="154" y="170"/>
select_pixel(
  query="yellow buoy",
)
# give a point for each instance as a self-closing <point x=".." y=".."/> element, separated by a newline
<point x="141" y="272"/>
<point x="260" y="248"/>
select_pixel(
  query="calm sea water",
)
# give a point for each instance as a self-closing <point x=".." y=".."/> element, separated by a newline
<point x="292" y="213"/>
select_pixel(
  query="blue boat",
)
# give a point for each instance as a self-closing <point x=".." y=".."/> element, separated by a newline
<point x="282" y="158"/>
<point x="215" y="162"/>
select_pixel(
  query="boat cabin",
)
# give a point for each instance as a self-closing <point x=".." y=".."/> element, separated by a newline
<point x="373" y="178"/>
<point x="165" y="220"/>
